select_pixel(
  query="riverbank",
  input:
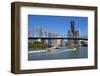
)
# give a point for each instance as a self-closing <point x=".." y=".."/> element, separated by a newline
<point x="40" y="51"/>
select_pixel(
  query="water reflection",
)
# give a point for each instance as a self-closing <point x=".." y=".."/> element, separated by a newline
<point x="63" y="53"/>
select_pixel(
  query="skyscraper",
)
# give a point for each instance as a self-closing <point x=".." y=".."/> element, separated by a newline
<point x="77" y="42"/>
<point x="70" y="41"/>
<point x="72" y="26"/>
<point x="49" y="40"/>
<point x="72" y="33"/>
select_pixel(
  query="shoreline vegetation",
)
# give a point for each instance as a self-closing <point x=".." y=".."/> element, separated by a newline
<point x="41" y="46"/>
<point x="38" y="46"/>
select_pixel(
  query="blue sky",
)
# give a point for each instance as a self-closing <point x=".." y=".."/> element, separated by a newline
<point x="58" y="24"/>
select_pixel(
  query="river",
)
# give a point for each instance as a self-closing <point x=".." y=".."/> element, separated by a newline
<point x="62" y="53"/>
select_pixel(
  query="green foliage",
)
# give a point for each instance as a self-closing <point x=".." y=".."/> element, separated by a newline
<point x="84" y="44"/>
<point x="37" y="45"/>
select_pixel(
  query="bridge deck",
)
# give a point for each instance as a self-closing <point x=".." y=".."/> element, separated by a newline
<point x="30" y="38"/>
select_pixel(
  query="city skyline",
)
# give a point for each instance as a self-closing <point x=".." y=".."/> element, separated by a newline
<point x="58" y="24"/>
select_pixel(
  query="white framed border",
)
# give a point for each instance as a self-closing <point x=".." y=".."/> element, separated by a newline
<point x="25" y="64"/>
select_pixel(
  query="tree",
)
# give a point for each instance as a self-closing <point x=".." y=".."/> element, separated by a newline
<point x="37" y="45"/>
<point x="83" y="43"/>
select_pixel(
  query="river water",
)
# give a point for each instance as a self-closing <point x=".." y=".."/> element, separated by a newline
<point x="63" y="53"/>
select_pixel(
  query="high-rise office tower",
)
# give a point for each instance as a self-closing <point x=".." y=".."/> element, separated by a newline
<point x="49" y="40"/>
<point x="40" y="32"/>
<point x="70" y="41"/>
<point x="77" y="35"/>
<point x="72" y="25"/>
